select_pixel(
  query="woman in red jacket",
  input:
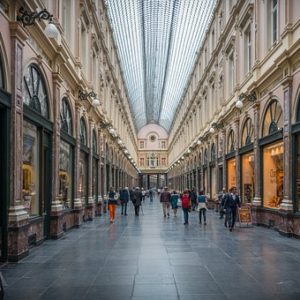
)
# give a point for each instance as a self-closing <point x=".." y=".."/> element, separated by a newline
<point x="186" y="205"/>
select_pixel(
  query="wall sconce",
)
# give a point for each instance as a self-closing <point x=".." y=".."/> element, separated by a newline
<point x="215" y="126"/>
<point x="28" y="19"/>
<point x="250" y="97"/>
<point x="85" y="95"/>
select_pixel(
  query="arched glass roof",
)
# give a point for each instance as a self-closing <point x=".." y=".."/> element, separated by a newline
<point x="157" y="41"/>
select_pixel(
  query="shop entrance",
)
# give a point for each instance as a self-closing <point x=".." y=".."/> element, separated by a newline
<point x="46" y="190"/>
<point x="4" y="179"/>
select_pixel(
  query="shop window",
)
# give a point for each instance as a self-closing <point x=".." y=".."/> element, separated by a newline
<point x="273" y="170"/>
<point x="31" y="168"/>
<point x="65" y="174"/>
<point x="247" y="134"/>
<point x="82" y="184"/>
<point x="273" y="120"/>
<point x="65" y="117"/>
<point x="231" y="173"/>
<point x="231" y="141"/>
<point x="83" y="133"/>
<point x="35" y="95"/>
<point x="247" y="177"/>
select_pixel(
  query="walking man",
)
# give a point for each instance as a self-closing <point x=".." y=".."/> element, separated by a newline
<point x="165" y="198"/>
<point x="231" y="203"/>
<point x="124" y="198"/>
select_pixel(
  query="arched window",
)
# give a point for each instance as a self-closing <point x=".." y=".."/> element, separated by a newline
<point x="273" y="119"/>
<point x="94" y="142"/>
<point x="247" y="134"/>
<point x="213" y="152"/>
<point x="231" y="141"/>
<point x="205" y="157"/>
<point x="65" y="117"/>
<point x="35" y="95"/>
<point x="1" y="73"/>
<point x="200" y="159"/>
<point x="83" y="134"/>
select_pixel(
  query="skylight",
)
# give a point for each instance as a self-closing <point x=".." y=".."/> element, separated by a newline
<point x="157" y="42"/>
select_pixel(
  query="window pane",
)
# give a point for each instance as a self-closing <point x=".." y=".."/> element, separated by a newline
<point x="82" y="186"/>
<point x="273" y="173"/>
<point x="30" y="168"/>
<point x="65" y="174"/>
<point x="231" y="173"/>
<point x="247" y="177"/>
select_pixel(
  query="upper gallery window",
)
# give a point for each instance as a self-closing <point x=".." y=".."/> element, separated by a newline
<point x="231" y="72"/>
<point x="213" y="152"/>
<point x="142" y="144"/>
<point x="272" y="16"/>
<point x="83" y="133"/>
<point x="65" y="117"/>
<point x="66" y="18"/>
<point x="35" y="95"/>
<point x="163" y="145"/>
<point x="247" y="50"/>
<point x="95" y="147"/>
<point x="273" y="120"/>
<point x="230" y="141"/>
<point x="247" y="134"/>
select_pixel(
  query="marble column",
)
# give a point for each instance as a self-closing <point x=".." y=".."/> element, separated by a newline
<point x="287" y="202"/>
<point x="56" y="225"/>
<point x="237" y="155"/>
<point x="257" y="200"/>
<point x="17" y="215"/>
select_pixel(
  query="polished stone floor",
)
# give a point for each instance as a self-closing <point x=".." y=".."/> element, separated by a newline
<point x="150" y="258"/>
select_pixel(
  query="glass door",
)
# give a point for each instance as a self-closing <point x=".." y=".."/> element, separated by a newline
<point x="46" y="182"/>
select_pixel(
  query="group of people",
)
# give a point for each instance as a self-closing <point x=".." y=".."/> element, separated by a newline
<point x="136" y="195"/>
<point x="190" y="200"/>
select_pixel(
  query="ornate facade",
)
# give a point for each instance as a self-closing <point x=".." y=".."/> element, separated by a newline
<point x="236" y="125"/>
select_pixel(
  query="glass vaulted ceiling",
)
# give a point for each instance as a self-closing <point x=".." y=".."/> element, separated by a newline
<point x="157" y="41"/>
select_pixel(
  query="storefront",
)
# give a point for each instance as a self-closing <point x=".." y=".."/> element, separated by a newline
<point x="5" y="102"/>
<point x="272" y="156"/>
<point x="95" y="167"/>
<point x="83" y="164"/>
<point x="296" y="166"/>
<point x="66" y="156"/>
<point x="231" y="161"/>
<point x="213" y="172"/>
<point x="247" y="163"/>
<point x="37" y="137"/>
<point x="205" y="171"/>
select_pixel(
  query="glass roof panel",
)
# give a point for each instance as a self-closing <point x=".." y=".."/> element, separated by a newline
<point x="157" y="41"/>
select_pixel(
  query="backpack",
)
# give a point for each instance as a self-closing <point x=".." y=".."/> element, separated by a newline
<point x="185" y="201"/>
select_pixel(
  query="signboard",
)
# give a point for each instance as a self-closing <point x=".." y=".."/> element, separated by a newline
<point x="245" y="216"/>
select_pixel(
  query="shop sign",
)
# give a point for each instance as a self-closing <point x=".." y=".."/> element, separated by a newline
<point x="245" y="216"/>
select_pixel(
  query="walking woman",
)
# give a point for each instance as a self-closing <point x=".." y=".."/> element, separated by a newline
<point x="174" y="201"/>
<point x="186" y="205"/>
<point x="202" y="201"/>
<point x="112" y="203"/>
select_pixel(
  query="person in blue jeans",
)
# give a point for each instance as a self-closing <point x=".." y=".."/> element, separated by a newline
<point x="186" y="206"/>
<point x="202" y="201"/>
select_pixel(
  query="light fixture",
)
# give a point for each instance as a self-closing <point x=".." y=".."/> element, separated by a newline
<point x="85" y="95"/>
<point x="243" y="96"/>
<point x="215" y="126"/>
<point x="28" y="19"/>
<point x="198" y="142"/>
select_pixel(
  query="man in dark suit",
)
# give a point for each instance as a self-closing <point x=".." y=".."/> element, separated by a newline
<point x="231" y="203"/>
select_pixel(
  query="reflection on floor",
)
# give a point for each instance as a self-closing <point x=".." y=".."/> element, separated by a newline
<point x="149" y="257"/>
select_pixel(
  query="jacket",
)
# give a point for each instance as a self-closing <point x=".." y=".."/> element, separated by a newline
<point x="230" y="202"/>
<point x="165" y="197"/>
<point x="185" y="201"/>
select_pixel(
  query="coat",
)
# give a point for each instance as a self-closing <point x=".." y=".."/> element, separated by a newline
<point x="137" y="198"/>
<point x="230" y="203"/>
<point x="124" y="196"/>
